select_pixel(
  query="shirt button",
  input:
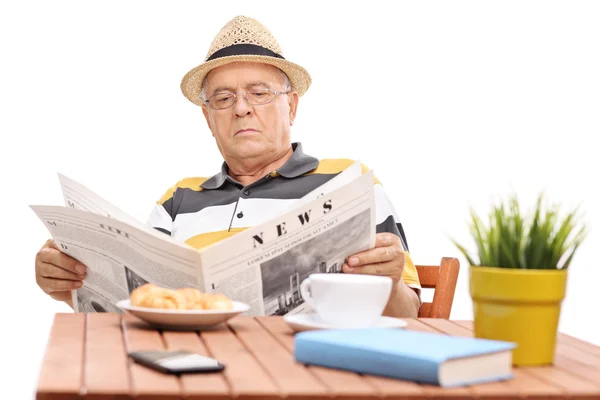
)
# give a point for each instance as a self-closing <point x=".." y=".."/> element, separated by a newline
<point x="246" y="192"/>
<point x="240" y="214"/>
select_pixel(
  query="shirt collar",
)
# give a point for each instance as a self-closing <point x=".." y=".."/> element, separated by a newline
<point x="298" y="164"/>
<point x="217" y="180"/>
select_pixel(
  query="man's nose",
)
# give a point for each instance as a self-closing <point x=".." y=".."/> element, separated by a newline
<point x="241" y="106"/>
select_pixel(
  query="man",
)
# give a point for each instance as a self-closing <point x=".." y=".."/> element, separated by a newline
<point x="249" y="95"/>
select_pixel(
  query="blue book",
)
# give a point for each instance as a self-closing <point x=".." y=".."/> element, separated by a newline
<point x="437" y="359"/>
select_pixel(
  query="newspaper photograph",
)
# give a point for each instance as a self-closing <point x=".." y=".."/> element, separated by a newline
<point x="262" y="266"/>
<point x="325" y="253"/>
<point x="91" y="301"/>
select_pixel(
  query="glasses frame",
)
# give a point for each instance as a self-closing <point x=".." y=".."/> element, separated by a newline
<point x="235" y="98"/>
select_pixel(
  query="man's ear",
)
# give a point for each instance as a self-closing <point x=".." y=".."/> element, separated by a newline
<point x="293" y="103"/>
<point x="207" y="118"/>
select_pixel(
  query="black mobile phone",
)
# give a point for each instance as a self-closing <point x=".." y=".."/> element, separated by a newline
<point x="176" y="362"/>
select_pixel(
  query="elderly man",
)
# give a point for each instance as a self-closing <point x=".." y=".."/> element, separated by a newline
<point x="249" y="95"/>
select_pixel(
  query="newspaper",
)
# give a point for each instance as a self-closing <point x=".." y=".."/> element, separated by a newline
<point x="262" y="266"/>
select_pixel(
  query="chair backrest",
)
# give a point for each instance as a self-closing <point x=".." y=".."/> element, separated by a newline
<point x="442" y="278"/>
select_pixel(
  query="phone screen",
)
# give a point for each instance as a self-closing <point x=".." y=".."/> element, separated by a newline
<point x="176" y="362"/>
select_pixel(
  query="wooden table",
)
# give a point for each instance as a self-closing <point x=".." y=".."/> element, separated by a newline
<point x="86" y="358"/>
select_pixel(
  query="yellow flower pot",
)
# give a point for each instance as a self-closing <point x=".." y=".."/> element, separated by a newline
<point x="521" y="306"/>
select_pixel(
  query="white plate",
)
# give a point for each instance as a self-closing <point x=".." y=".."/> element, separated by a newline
<point x="183" y="319"/>
<point x="307" y="322"/>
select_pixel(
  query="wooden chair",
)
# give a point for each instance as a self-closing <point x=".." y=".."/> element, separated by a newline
<point x="442" y="278"/>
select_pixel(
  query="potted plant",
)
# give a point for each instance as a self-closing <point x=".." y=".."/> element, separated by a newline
<point x="518" y="281"/>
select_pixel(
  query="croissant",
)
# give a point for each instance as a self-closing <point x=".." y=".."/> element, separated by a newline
<point x="138" y="294"/>
<point x="152" y="296"/>
<point x="217" y="301"/>
<point x="193" y="297"/>
<point x="197" y="306"/>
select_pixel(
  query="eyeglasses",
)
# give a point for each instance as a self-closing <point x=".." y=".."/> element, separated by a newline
<point x="256" y="97"/>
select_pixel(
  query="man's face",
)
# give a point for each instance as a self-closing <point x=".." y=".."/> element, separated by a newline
<point x="244" y="130"/>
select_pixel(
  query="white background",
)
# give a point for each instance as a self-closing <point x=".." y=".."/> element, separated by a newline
<point x="452" y="104"/>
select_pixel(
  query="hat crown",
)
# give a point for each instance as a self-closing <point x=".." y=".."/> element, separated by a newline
<point x="243" y="30"/>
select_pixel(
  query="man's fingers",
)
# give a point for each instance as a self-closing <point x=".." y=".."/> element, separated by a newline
<point x="61" y="296"/>
<point x="50" y="285"/>
<point x="384" y="239"/>
<point x="51" y="255"/>
<point x="383" y="269"/>
<point x="52" y="271"/>
<point x="373" y="256"/>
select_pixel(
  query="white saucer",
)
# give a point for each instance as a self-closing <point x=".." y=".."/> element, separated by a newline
<point x="183" y="319"/>
<point x="307" y="322"/>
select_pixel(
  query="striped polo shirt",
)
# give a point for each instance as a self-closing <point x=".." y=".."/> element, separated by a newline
<point x="202" y="210"/>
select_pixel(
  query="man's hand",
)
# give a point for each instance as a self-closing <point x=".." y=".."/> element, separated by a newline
<point x="386" y="259"/>
<point x="56" y="273"/>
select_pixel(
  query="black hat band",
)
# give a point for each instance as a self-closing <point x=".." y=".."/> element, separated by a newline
<point x="244" y="49"/>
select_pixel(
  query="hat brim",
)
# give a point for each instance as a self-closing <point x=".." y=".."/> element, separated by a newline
<point x="191" y="84"/>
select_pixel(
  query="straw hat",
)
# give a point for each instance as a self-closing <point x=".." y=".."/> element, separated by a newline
<point x="243" y="39"/>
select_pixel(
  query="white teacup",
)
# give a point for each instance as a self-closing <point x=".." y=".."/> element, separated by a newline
<point x="347" y="300"/>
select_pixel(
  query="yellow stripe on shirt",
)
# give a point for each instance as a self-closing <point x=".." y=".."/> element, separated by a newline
<point x="336" y="165"/>
<point x="410" y="275"/>
<point x="206" y="239"/>
<point x="186" y="183"/>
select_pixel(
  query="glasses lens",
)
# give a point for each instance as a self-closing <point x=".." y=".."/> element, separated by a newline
<point x="259" y="96"/>
<point x="221" y="100"/>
